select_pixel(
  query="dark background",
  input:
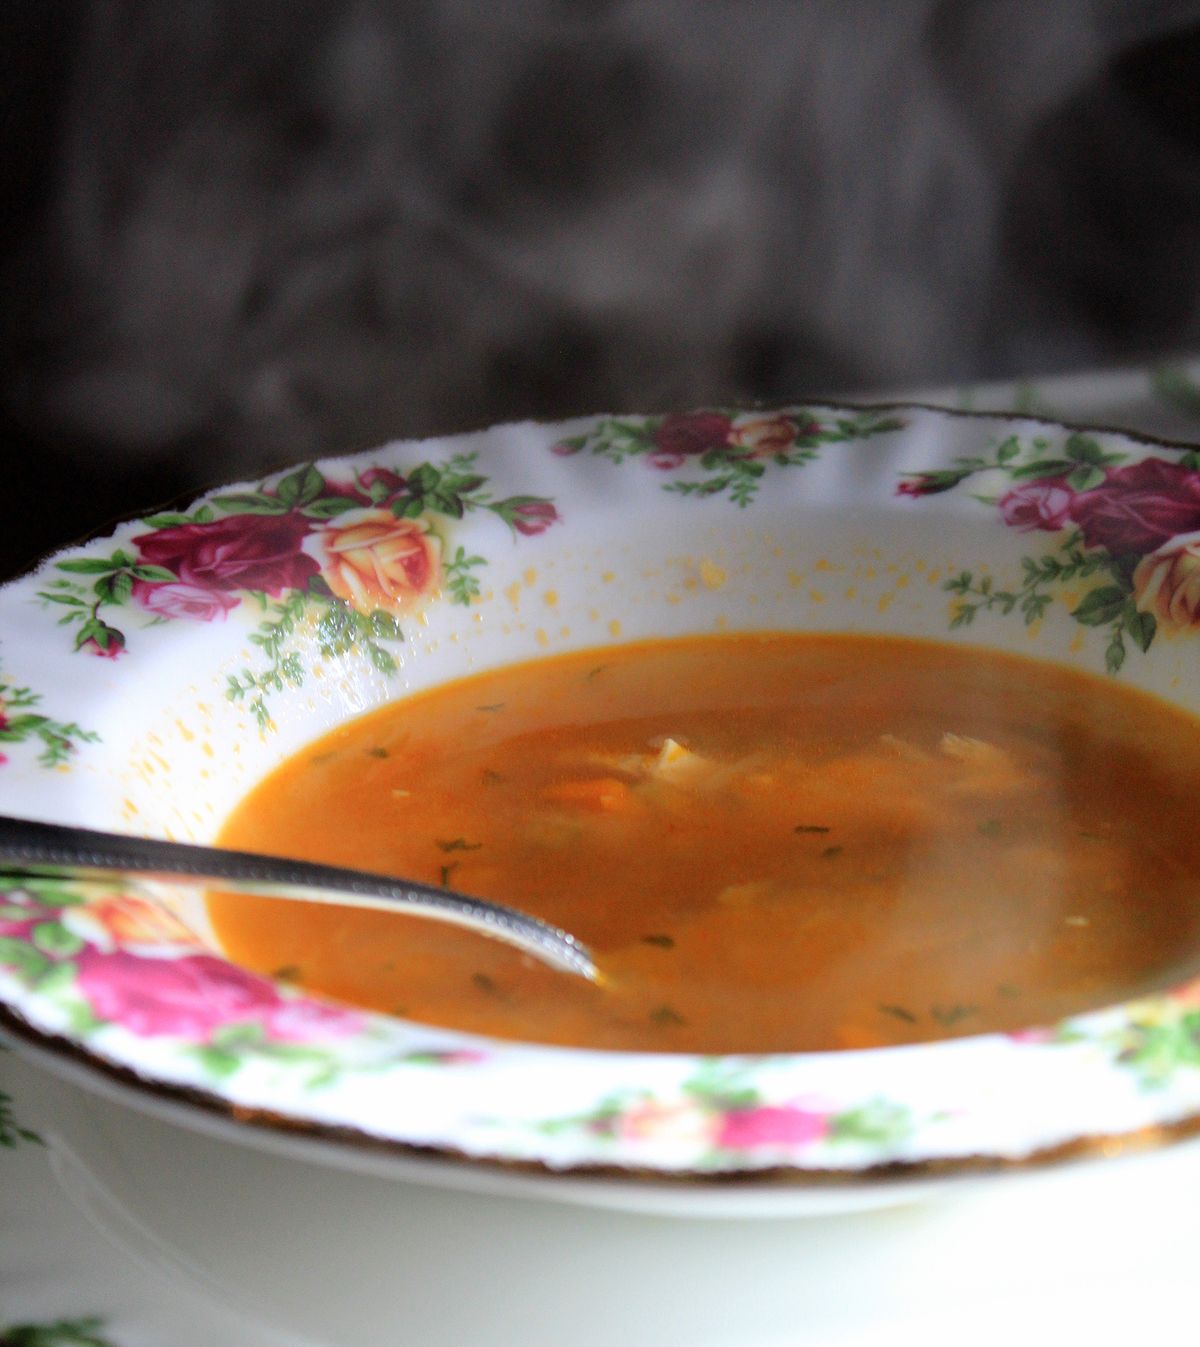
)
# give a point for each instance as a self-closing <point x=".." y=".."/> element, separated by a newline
<point x="247" y="232"/>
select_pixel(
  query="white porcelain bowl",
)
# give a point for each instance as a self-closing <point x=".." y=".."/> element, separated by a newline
<point x="149" y="679"/>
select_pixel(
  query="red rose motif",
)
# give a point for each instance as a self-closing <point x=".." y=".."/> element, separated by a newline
<point x="1138" y="508"/>
<point x="384" y="477"/>
<point x="930" y="483"/>
<point x="188" y="997"/>
<point x="113" y="647"/>
<point x="177" y="599"/>
<point x="1037" y="505"/>
<point x="686" y="434"/>
<point x="745" y="1128"/>
<point x="534" y="517"/>
<point x="379" y="483"/>
<point x="243" y="551"/>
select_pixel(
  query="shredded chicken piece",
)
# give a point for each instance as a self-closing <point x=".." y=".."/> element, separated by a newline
<point x="901" y="748"/>
<point x="977" y="752"/>
<point x="745" y="895"/>
<point x="681" y="766"/>
<point x="989" y="770"/>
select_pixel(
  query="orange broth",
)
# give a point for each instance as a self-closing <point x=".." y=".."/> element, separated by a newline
<point x="772" y="842"/>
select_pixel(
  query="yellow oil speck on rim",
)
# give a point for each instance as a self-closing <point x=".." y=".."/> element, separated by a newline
<point x="513" y="595"/>
<point x="1077" y="643"/>
<point x="550" y="598"/>
<point x="614" y="627"/>
<point x="608" y="577"/>
<point x="712" y="576"/>
<point x="934" y="576"/>
<point x="885" y="602"/>
<point x="541" y="637"/>
<point x="816" y="595"/>
<point x="530" y="576"/>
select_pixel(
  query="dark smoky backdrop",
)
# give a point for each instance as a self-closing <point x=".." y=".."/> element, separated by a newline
<point x="247" y="232"/>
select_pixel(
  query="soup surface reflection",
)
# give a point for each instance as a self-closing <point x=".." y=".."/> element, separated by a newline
<point x="772" y="842"/>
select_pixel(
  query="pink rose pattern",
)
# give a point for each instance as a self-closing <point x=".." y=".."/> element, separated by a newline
<point x="1036" y="505"/>
<point x="1126" y="537"/>
<point x="722" y="1110"/>
<point x="279" y="544"/>
<point x="226" y="1016"/>
<point x="170" y="990"/>
<point x="724" y="452"/>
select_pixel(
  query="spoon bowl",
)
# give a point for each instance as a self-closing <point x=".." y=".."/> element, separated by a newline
<point x="55" y="850"/>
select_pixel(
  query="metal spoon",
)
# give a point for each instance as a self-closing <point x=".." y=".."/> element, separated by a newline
<point x="43" y="850"/>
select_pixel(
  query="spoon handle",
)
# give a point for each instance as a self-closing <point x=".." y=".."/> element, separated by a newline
<point x="51" y="849"/>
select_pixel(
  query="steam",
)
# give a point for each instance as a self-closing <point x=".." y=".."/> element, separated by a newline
<point x="283" y="229"/>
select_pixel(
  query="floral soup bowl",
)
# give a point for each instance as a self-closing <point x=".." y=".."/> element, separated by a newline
<point x="149" y="679"/>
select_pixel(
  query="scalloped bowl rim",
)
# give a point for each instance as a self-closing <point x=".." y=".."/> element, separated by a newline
<point x="574" y="521"/>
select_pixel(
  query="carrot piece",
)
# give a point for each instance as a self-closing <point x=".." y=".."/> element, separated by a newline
<point x="604" y="795"/>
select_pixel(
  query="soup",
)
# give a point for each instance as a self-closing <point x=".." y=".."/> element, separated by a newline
<point x="771" y="842"/>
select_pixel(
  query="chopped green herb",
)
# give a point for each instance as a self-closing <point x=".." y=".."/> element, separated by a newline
<point x="991" y="827"/>
<point x="1007" y="989"/>
<point x="485" y="984"/>
<point x="1093" y="837"/>
<point x="377" y="753"/>
<point x="830" y="852"/>
<point x="491" y="778"/>
<point x="12" y="1133"/>
<point x="662" y="941"/>
<point x="457" y="844"/>
<point x="288" y="972"/>
<point x="665" y="1016"/>
<point x="898" y="1013"/>
<point x="495" y="706"/>
<point x="322" y="757"/>
<point x="599" y="669"/>
<point x="948" y="1016"/>
<point x="810" y="828"/>
<point x="446" y="872"/>
<point x="61" y="1333"/>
